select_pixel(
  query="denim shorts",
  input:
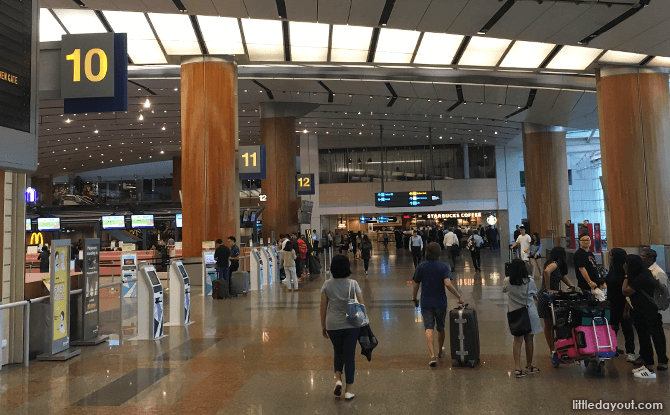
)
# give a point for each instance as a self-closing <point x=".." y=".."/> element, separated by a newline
<point x="433" y="316"/>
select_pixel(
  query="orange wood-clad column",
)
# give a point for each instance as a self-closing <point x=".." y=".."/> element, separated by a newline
<point x="545" y="162"/>
<point x="634" y="118"/>
<point x="176" y="178"/>
<point x="210" y="184"/>
<point x="280" y="141"/>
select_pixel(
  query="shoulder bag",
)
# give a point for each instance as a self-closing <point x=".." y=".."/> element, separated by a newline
<point x="519" y="319"/>
<point x="356" y="315"/>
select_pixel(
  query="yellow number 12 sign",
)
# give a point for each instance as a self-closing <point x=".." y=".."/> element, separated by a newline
<point x="87" y="66"/>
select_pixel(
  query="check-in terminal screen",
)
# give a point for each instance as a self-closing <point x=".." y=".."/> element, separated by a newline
<point x="209" y="259"/>
<point x="153" y="277"/>
<point x="184" y="275"/>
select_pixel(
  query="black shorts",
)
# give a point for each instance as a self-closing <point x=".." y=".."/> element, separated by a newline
<point x="432" y="317"/>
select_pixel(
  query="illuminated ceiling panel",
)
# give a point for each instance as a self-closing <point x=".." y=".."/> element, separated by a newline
<point x="574" y="58"/>
<point x="396" y="46"/>
<point x="222" y="35"/>
<point x="660" y="61"/>
<point x="527" y="54"/>
<point x="438" y="49"/>
<point x="613" y="56"/>
<point x="50" y="29"/>
<point x="309" y="42"/>
<point x="142" y="45"/>
<point x="80" y="21"/>
<point x="350" y="43"/>
<point x="175" y="33"/>
<point x="265" y="39"/>
<point x="484" y="51"/>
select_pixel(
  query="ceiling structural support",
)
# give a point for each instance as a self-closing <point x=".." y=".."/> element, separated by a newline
<point x="198" y="34"/>
<point x="624" y="16"/>
<point x="499" y="14"/>
<point x="461" y="50"/>
<point x="244" y="39"/>
<point x="394" y="96"/>
<point x="373" y="44"/>
<point x="158" y="39"/>
<point x="416" y="49"/>
<point x="281" y="11"/>
<point x="551" y="56"/>
<point x="646" y="60"/>
<point x="593" y="132"/>
<point x="180" y="6"/>
<point x="266" y="89"/>
<point x="331" y="95"/>
<point x="103" y="20"/>
<point x="529" y="103"/>
<point x="79" y="3"/>
<point x="58" y="20"/>
<point x="142" y="86"/>
<point x="461" y="100"/>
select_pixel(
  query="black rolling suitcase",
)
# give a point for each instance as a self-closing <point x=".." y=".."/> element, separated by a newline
<point x="464" y="336"/>
<point x="314" y="265"/>
<point x="509" y="263"/>
<point x="219" y="289"/>
<point x="239" y="283"/>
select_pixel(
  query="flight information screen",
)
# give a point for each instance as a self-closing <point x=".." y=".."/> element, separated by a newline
<point x="408" y="199"/>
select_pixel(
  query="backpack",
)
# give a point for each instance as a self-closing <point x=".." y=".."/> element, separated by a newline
<point x="472" y="246"/>
<point x="302" y="247"/>
<point x="661" y="299"/>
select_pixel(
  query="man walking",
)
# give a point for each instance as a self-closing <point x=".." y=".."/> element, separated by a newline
<point x="452" y="244"/>
<point x="416" y="246"/>
<point x="523" y="242"/>
<point x="475" y="246"/>
<point x="222" y="255"/>
<point x="435" y="275"/>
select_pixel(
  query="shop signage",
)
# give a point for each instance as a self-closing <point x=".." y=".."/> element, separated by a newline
<point x="36" y="238"/>
<point x="492" y="220"/>
<point x="91" y="293"/>
<point x="251" y="162"/>
<point x="60" y="296"/>
<point x="461" y="215"/>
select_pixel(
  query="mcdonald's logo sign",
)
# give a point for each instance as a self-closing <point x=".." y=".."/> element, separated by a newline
<point x="36" y="238"/>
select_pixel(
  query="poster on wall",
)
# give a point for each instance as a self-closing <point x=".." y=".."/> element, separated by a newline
<point x="60" y="298"/>
<point x="91" y="294"/>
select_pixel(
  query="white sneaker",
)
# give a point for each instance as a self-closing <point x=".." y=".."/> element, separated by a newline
<point x="639" y="369"/>
<point x="645" y="374"/>
<point x="630" y="357"/>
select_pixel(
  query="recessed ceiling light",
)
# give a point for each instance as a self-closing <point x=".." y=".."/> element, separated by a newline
<point x="147" y="103"/>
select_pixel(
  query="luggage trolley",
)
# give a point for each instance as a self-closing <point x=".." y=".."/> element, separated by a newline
<point x="579" y="346"/>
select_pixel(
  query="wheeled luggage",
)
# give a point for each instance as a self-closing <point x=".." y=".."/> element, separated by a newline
<point x="219" y="289"/>
<point x="509" y="264"/>
<point x="314" y="265"/>
<point x="464" y="336"/>
<point x="239" y="283"/>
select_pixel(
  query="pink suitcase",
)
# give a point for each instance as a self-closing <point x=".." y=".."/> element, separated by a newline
<point x="566" y="349"/>
<point x="599" y="340"/>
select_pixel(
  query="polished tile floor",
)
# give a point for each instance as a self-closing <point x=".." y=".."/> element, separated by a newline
<point x="264" y="354"/>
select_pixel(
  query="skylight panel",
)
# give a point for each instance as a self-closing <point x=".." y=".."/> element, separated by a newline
<point x="396" y="46"/>
<point x="143" y="47"/>
<point x="484" y="51"/>
<point x="574" y="58"/>
<point x="350" y="43"/>
<point x="613" y="56"/>
<point x="309" y="41"/>
<point x="80" y="21"/>
<point x="50" y="29"/>
<point x="438" y="49"/>
<point x="265" y="39"/>
<point x="175" y="33"/>
<point x="222" y="35"/>
<point x="527" y="54"/>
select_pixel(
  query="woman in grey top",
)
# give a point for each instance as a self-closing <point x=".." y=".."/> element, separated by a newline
<point x="522" y="292"/>
<point x="335" y="295"/>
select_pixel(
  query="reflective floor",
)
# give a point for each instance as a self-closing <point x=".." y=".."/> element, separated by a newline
<point x="264" y="354"/>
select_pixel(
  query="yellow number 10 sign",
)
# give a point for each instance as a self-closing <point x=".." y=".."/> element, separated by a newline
<point x="94" y="55"/>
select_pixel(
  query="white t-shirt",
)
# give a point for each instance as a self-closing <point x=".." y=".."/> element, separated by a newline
<point x="659" y="274"/>
<point x="450" y="239"/>
<point x="524" y="243"/>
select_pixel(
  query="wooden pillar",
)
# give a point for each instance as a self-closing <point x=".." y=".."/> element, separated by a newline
<point x="176" y="178"/>
<point x="634" y="118"/>
<point x="545" y="162"/>
<point x="281" y="146"/>
<point x="210" y="183"/>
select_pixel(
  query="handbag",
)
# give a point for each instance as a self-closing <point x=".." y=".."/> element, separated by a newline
<point x="356" y="315"/>
<point x="519" y="319"/>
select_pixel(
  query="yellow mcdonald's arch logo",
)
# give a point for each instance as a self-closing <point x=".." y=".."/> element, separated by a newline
<point x="36" y="238"/>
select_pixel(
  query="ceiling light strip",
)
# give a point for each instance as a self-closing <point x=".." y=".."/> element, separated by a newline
<point x="646" y="60"/>
<point x="629" y="13"/>
<point x="153" y="30"/>
<point x="461" y="50"/>
<point x="198" y="34"/>
<point x="58" y="20"/>
<point x="373" y="44"/>
<point x="499" y="14"/>
<point x="266" y="89"/>
<point x="551" y="56"/>
<point x="416" y="49"/>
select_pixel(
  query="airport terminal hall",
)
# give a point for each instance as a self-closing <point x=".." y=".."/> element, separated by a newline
<point x="280" y="207"/>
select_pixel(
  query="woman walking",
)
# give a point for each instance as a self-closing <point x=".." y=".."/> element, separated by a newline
<point x="614" y="279"/>
<point x="366" y="252"/>
<point x="288" y="263"/>
<point x="335" y="295"/>
<point x="522" y="292"/>
<point x="535" y="254"/>
<point x="555" y="272"/>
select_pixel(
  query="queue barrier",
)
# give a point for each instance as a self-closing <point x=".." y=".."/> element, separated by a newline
<point x="36" y="310"/>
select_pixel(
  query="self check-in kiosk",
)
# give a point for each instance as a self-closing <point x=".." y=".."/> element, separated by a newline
<point x="208" y="271"/>
<point x="256" y="270"/>
<point x="180" y="295"/>
<point x="149" y="304"/>
<point x="268" y="258"/>
<point x="277" y="261"/>
<point x="129" y="272"/>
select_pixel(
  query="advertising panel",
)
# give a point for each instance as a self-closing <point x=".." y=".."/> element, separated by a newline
<point x="142" y="221"/>
<point x="91" y="293"/>
<point x="113" y="222"/>
<point x="60" y="296"/>
<point x="48" y="224"/>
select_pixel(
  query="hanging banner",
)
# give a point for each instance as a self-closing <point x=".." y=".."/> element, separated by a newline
<point x="91" y="297"/>
<point x="60" y="296"/>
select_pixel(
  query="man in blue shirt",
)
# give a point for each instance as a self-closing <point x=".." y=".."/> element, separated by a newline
<point x="234" y="254"/>
<point x="435" y="275"/>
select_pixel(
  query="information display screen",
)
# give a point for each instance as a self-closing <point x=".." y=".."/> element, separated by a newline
<point x="15" y="63"/>
<point x="209" y="259"/>
<point x="48" y="224"/>
<point x="178" y="219"/>
<point x="142" y="221"/>
<point x="29" y="225"/>
<point x="184" y="275"/>
<point x="113" y="222"/>
<point x="408" y="199"/>
<point x="154" y="278"/>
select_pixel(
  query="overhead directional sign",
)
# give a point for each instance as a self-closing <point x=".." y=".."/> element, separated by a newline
<point x="305" y="184"/>
<point x="408" y="199"/>
<point x="251" y="160"/>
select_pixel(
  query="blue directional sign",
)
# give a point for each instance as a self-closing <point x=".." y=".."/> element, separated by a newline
<point x="409" y="199"/>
